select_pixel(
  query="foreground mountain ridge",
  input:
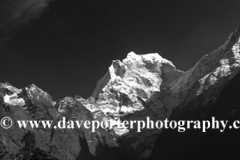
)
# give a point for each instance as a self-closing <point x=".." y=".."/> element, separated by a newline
<point x="140" y="86"/>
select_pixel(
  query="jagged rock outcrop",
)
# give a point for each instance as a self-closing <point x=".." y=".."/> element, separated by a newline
<point x="211" y="145"/>
<point x="208" y="77"/>
<point x="31" y="103"/>
<point x="148" y="85"/>
<point x="214" y="93"/>
<point x="138" y="87"/>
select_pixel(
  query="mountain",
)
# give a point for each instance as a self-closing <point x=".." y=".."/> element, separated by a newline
<point x="135" y="88"/>
<point x="216" y="94"/>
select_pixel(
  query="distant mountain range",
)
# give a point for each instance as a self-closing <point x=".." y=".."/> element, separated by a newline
<point x="137" y="87"/>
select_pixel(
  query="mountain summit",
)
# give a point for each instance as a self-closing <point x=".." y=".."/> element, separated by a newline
<point x="137" y="87"/>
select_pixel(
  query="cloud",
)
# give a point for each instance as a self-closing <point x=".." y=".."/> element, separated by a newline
<point x="15" y="14"/>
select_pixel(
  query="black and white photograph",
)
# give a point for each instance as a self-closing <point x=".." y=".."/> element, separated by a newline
<point x="119" y="80"/>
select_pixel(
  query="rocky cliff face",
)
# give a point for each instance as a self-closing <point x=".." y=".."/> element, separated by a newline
<point x="221" y="101"/>
<point x="140" y="86"/>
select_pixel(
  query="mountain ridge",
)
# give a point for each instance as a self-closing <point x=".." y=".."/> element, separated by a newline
<point x="132" y="89"/>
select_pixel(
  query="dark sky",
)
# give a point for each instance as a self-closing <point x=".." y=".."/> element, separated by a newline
<point x="66" y="46"/>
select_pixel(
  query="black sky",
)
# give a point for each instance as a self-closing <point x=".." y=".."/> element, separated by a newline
<point x="67" y="46"/>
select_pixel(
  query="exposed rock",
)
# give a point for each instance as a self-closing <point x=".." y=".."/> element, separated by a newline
<point x="149" y="85"/>
<point x="210" y="88"/>
<point x="211" y="145"/>
<point x="28" y="143"/>
<point x="208" y="77"/>
<point x="140" y="86"/>
<point x="11" y="96"/>
<point x="39" y="96"/>
<point x="133" y="92"/>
